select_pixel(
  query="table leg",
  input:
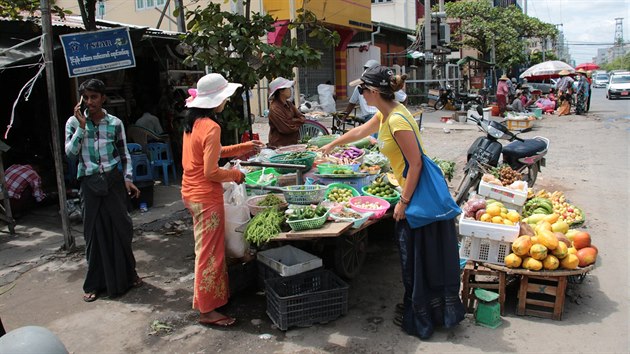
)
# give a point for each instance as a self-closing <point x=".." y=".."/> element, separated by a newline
<point x="522" y="295"/>
<point x="559" y="303"/>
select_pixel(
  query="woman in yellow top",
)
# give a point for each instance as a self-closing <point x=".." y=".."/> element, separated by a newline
<point x="202" y="192"/>
<point x="429" y="255"/>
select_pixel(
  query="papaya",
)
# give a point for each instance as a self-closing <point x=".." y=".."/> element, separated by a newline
<point x="547" y="239"/>
<point x="532" y="264"/>
<point x="551" y="262"/>
<point x="571" y="261"/>
<point x="572" y="250"/>
<point x="535" y="240"/>
<point x="561" y="251"/>
<point x="542" y="225"/>
<point x="535" y="218"/>
<point x="521" y="246"/>
<point x="526" y="229"/>
<point x="551" y="218"/>
<point x="512" y="261"/>
<point x="560" y="226"/>
<point x="538" y="252"/>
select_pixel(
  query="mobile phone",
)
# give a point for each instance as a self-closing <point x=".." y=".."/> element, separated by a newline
<point x="82" y="104"/>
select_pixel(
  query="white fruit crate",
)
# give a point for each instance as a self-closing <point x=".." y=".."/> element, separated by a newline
<point x="484" y="250"/>
<point x="488" y="230"/>
<point x="288" y="260"/>
<point x="503" y="194"/>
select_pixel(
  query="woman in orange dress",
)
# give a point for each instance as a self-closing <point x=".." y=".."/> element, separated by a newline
<point x="202" y="192"/>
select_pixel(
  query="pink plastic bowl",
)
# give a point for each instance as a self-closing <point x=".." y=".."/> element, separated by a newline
<point x="354" y="201"/>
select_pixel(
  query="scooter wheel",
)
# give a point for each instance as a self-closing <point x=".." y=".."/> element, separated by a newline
<point x="439" y="104"/>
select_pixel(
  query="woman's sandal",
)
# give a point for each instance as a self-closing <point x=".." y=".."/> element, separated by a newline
<point x="89" y="297"/>
<point x="398" y="319"/>
<point x="137" y="283"/>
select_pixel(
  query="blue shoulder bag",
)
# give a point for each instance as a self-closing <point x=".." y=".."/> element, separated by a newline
<point x="431" y="200"/>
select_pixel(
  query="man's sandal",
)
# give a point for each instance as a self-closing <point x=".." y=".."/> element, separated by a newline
<point x="89" y="297"/>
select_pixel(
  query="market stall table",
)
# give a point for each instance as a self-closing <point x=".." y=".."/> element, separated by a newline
<point x="541" y="293"/>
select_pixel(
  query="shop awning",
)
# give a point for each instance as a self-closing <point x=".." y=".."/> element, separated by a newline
<point x="468" y="59"/>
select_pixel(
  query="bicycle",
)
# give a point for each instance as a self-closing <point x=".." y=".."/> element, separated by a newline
<point x="343" y="122"/>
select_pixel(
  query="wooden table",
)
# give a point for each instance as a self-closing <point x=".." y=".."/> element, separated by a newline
<point x="541" y="293"/>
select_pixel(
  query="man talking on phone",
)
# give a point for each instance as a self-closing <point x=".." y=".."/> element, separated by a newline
<point x="97" y="139"/>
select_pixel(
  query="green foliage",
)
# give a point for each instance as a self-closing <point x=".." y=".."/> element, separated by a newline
<point x="621" y="63"/>
<point x="235" y="46"/>
<point x="536" y="58"/>
<point x="18" y="9"/>
<point x="483" y="24"/>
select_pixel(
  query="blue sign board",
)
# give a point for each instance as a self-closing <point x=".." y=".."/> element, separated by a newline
<point x="96" y="52"/>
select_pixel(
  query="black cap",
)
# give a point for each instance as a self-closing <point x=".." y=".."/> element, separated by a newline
<point x="377" y="76"/>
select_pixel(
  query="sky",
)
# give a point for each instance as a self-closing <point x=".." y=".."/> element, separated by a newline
<point x="584" y="22"/>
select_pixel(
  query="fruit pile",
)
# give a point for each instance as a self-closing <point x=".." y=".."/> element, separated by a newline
<point x="516" y="185"/>
<point x="543" y="202"/>
<point x="490" y="210"/>
<point x="506" y="174"/>
<point x="339" y="195"/>
<point x="549" y="245"/>
<point x="380" y="188"/>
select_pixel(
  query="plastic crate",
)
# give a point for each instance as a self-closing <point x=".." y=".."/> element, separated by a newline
<point x="306" y="299"/>
<point x="503" y="194"/>
<point x="484" y="250"/>
<point x="288" y="260"/>
<point x="488" y="230"/>
<point x="519" y="124"/>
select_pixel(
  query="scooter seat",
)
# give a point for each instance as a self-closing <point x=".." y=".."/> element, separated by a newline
<point x="519" y="149"/>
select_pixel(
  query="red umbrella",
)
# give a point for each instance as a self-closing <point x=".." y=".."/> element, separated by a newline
<point x="587" y="66"/>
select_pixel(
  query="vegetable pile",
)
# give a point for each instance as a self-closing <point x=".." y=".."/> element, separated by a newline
<point x="381" y="189"/>
<point x="270" y="200"/>
<point x="368" y="205"/>
<point x="296" y="156"/>
<point x="264" y="226"/>
<point x="307" y="212"/>
<point x="447" y="167"/>
<point x="350" y="153"/>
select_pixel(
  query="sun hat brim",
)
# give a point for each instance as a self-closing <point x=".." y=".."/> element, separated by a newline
<point x="286" y="84"/>
<point x="213" y="100"/>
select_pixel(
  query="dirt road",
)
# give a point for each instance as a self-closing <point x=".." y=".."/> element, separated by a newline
<point x="588" y="160"/>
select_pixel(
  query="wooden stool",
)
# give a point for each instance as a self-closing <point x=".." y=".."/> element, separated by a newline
<point x="470" y="282"/>
<point x="542" y="296"/>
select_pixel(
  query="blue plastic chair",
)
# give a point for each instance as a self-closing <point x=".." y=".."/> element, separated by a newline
<point x="141" y="168"/>
<point x="134" y="148"/>
<point x="160" y="156"/>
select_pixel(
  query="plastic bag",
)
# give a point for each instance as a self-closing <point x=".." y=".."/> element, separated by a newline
<point x="236" y="214"/>
<point x="326" y="99"/>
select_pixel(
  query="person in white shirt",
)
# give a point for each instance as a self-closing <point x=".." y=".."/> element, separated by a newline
<point x="367" y="112"/>
<point x="149" y="121"/>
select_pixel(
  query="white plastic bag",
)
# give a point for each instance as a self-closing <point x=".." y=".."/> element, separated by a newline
<point x="326" y="99"/>
<point x="236" y="214"/>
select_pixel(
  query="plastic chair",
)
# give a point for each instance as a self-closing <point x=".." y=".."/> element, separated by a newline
<point x="142" y="136"/>
<point x="141" y="168"/>
<point x="311" y="129"/>
<point x="134" y="147"/>
<point x="160" y="156"/>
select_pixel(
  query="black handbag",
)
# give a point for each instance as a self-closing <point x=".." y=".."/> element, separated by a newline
<point x="97" y="184"/>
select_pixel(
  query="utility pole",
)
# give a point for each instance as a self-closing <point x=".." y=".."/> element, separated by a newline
<point x="427" y="39"/>
<point x="47" y="34"/>
<point x="181" y="21"/>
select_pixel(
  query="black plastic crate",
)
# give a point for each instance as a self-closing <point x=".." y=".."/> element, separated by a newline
<point x="264" y="273"/>
<point x="305" y="299"/>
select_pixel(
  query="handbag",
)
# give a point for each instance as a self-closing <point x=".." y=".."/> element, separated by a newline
<point x="431" y="200"/>
<point x="97" y="183"/>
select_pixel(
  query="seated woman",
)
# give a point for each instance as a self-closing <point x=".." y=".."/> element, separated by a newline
<point x="517" y="104"/>
<point x="547" y="105"/>
<point x="284" y="118"/>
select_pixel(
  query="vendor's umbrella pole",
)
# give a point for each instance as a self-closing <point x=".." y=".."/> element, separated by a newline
<point x="54" y="123"/>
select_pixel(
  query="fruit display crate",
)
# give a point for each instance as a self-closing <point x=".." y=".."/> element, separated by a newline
<point x="519" y="124"/>
<point x="484" y="250"/>
<point x="288" y="260"/>
<point x="306" y="299"/>
<point x="488" y="230"/>
<point x="503" y="194"/>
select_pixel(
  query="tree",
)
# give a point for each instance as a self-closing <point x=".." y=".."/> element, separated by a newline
<point x="234" y="45"/>
<point x="18" y="9"/>
<point x="536" y="58"/>
<point x="483" y="25"/>
<point x="620" y="63"/>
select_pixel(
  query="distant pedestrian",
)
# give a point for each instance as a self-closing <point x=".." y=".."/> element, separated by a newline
<point x="581" y="92"/>
<point x="565" y="93"/>
<point x="98" y="140"/>
<point x="503" y="90"/>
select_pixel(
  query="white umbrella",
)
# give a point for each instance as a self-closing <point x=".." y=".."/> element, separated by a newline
<point x="546" y="70"/>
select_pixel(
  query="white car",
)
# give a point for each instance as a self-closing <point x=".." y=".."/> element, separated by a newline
<point x="600" y="80"/>
<point x="619" y="86"/>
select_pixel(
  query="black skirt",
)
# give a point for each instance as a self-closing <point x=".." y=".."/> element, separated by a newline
<point x="108" y="232"/>
<point x="429" y="259"/>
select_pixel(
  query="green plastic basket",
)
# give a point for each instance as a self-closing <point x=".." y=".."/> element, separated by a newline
<point x="252" y="177"/>
<point x="355" y="193"/>
<point x="304" y="194"/>
<point x="307" y="161"/>
<point x="308" y="224"/>
<point x="329" y="168"/>
<point x="390" y="200"/>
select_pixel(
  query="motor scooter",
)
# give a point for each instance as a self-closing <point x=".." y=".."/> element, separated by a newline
<point x="448" y="95"/>
<point x="525" y="156"/>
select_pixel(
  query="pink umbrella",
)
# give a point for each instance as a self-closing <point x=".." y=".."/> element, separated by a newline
<point x="587" y="66"/>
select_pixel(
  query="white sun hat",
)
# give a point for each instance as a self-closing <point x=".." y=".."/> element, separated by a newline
<point x="212" y="90"/>
<point x="277" y="84"/>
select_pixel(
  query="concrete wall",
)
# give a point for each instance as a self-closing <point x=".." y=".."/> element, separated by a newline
<point x="400" y="13"/>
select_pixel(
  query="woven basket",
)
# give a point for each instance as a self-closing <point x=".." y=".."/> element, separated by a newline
<point x="304" y="194"/>
<point x="308" y="224"/>
<point x="254" y="208"/>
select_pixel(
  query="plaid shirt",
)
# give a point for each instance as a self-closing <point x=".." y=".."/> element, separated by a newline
<point x="99" y="148"/>
<point x="19" y="177"/>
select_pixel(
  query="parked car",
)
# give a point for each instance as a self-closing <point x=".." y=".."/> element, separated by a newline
<point x="601" y="80"/>
<point x="619" y="86"/>
<point x="543" y="86"/>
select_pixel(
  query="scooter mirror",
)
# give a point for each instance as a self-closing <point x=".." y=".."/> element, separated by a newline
<point x="480" y="110"/>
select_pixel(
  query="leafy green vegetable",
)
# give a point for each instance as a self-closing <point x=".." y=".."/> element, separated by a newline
<point x="447" y="167"/>
<point x="264" y="226"/>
